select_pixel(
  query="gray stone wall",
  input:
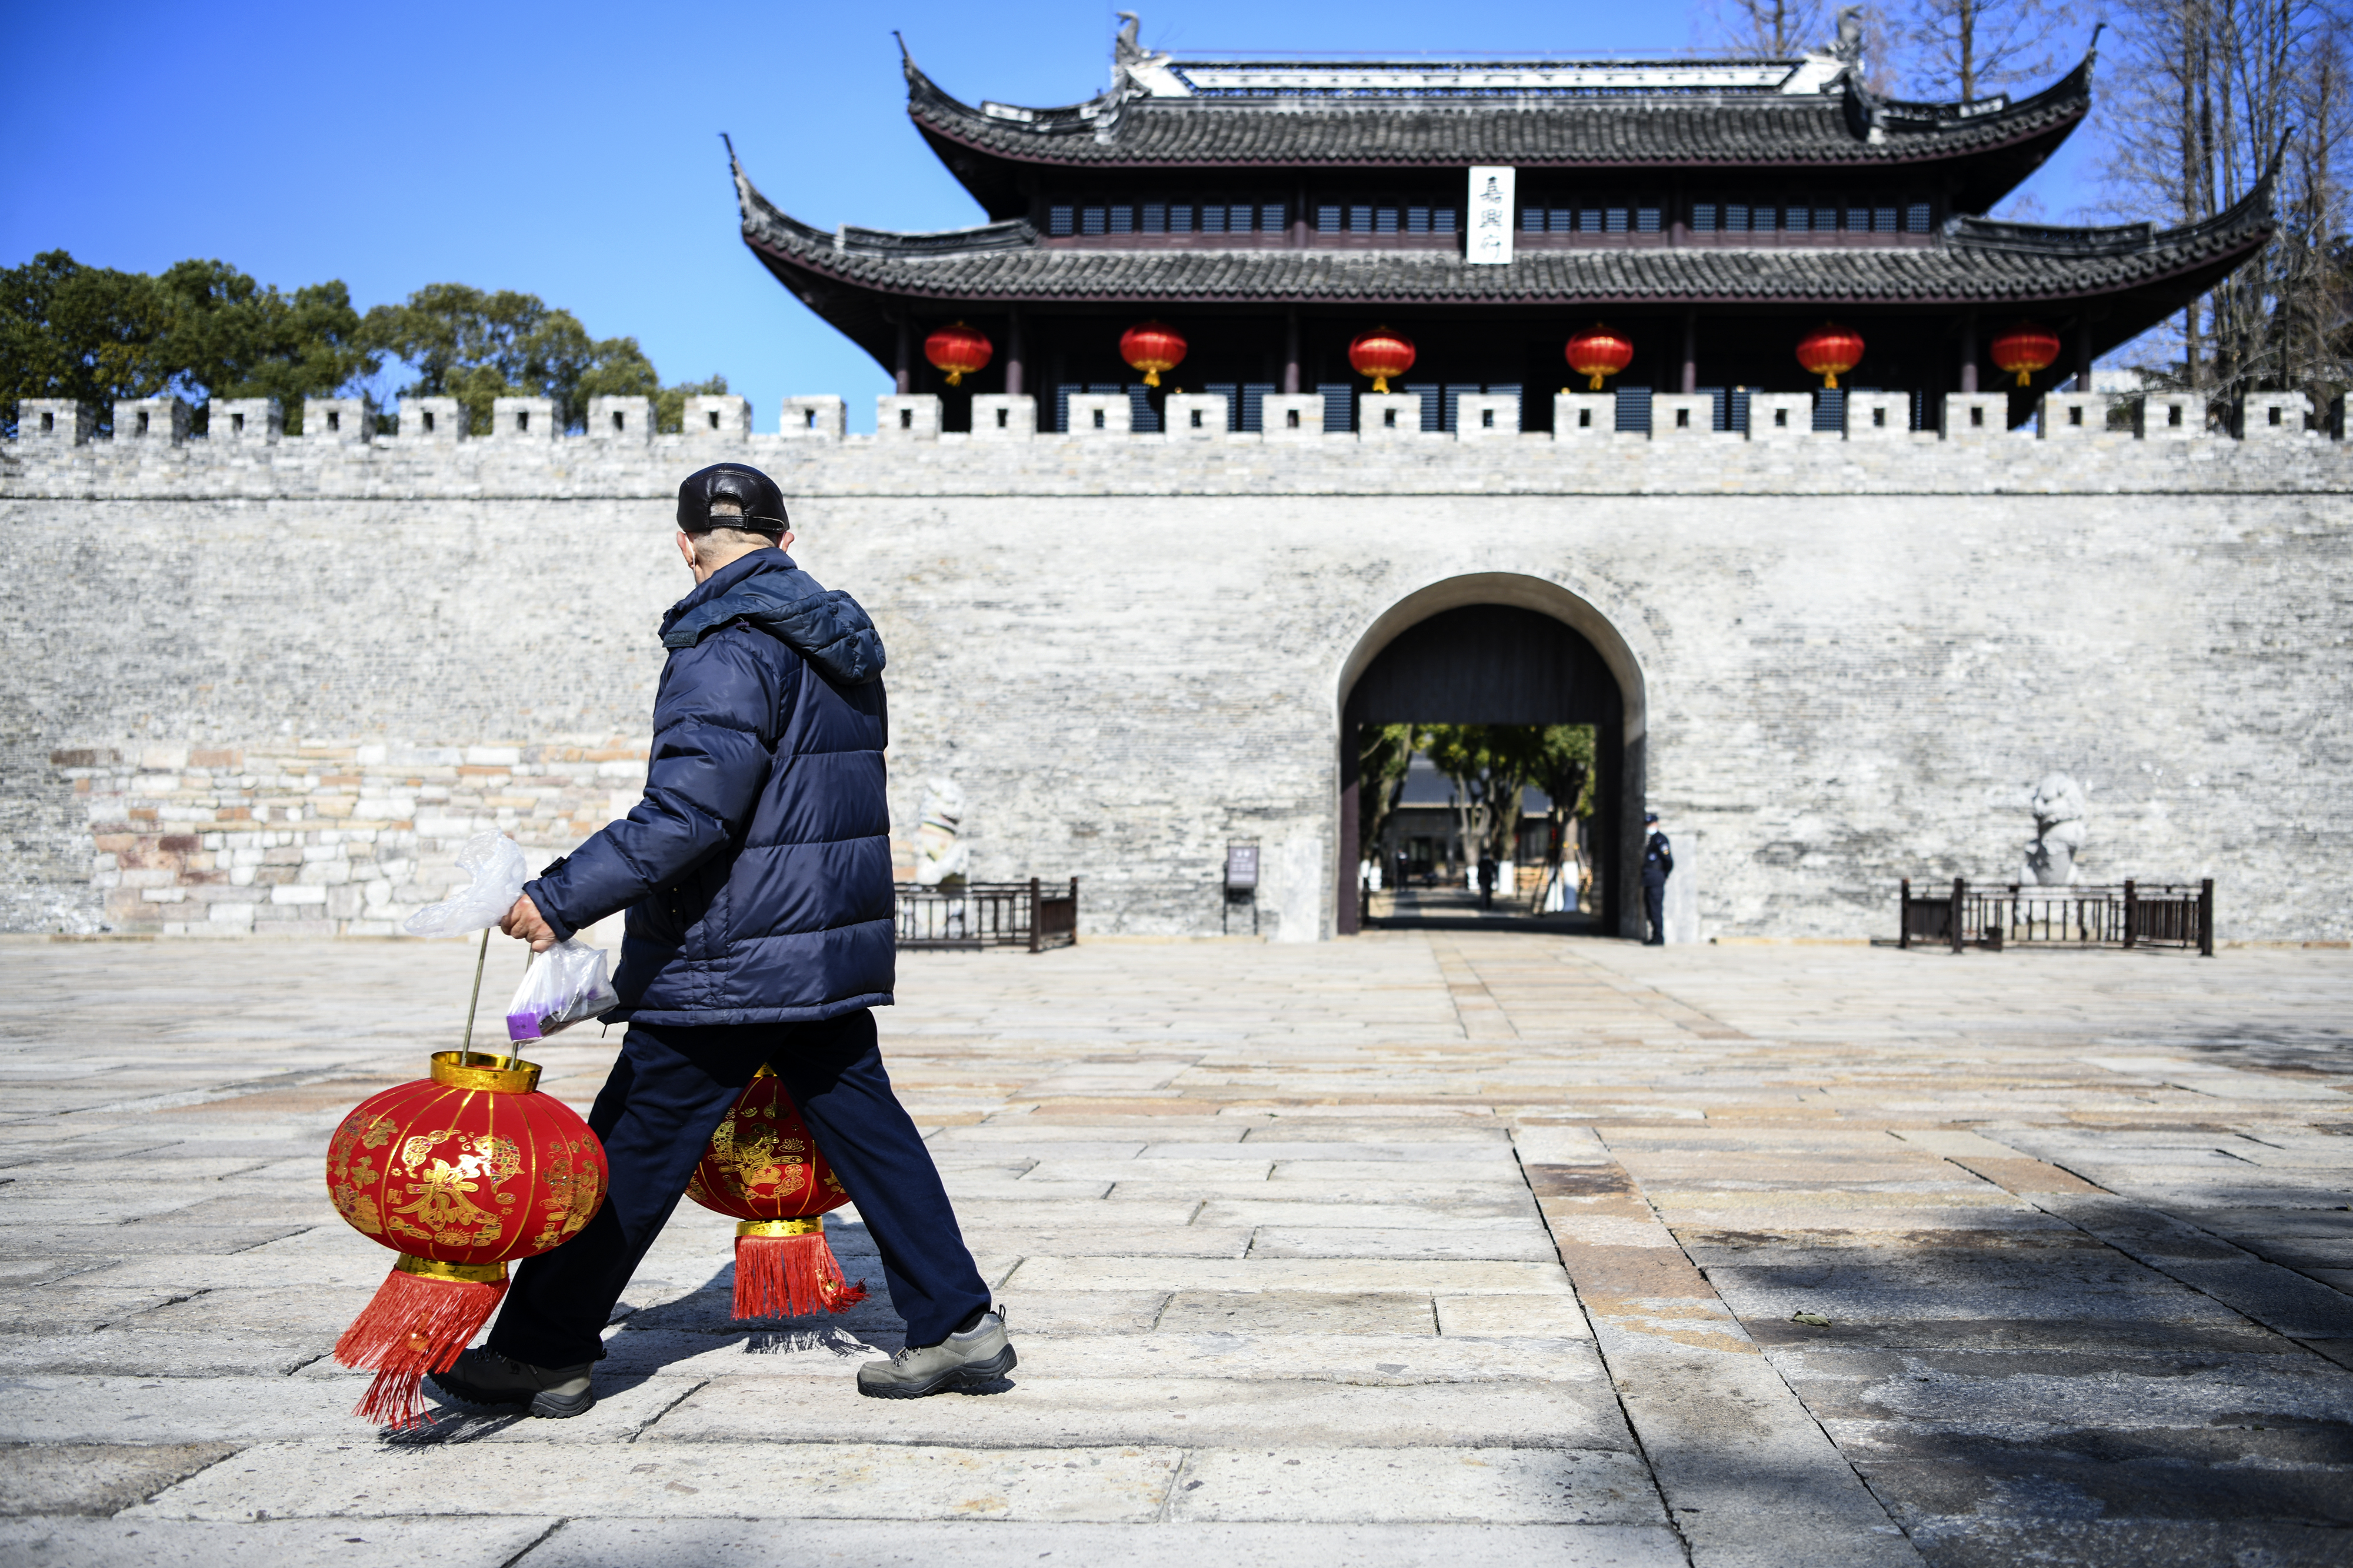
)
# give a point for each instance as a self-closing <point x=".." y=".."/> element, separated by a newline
<point x="260" y="685"/>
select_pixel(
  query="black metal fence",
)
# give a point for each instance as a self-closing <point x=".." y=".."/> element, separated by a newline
<point x="974" y="915"/>
<point x="1996" y="915"/>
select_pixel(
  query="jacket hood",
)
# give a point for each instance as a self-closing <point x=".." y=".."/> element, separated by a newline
<point x="765" y="589"/>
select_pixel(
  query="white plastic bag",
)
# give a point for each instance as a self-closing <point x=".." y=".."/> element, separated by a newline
<point x="499" y="871"/>
<point x="564" y="986"/>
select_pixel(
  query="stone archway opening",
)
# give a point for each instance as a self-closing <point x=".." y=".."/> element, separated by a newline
<point x="1499" y="649"/>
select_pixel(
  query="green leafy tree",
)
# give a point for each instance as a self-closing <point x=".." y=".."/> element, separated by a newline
<point x="1490" y="767"/>
<point x="1384" y="752"/>
<point x="1487" y="765"/>
<point x="231" y="337"/>
<point x="670" y="403"/>
<point x="477" y="346"/>
<point x="89" y="333"/>
<point x="203" y="330"/>
<point x="1561" y="765"/>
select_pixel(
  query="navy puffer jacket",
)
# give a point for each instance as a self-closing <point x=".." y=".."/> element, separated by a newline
<point x="756" y="870"/>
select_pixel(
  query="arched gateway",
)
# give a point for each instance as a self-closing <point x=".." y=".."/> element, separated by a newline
<point x="1500" y="648"/>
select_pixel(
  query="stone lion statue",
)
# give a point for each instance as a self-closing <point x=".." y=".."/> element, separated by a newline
<point x="2060" y="831"/>
<point x="942" y="857"/>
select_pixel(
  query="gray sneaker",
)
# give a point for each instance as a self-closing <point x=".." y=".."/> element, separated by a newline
<point x="485" y="1380"/>
<point x="969" y="1360"/>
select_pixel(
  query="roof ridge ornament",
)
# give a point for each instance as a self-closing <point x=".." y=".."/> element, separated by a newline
<point x="1124" y="50"/>
<point x="1849" y="44"/>
<point x="1137" y="72"/>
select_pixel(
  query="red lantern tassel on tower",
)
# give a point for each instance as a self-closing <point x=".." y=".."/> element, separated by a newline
<point x="763" y="1170"/>
<point x="461" y="1174"/>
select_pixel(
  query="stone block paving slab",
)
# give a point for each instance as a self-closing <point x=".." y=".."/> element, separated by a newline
<point x="237" y="1410"/>
<point x="147" y="1542"/>
<point x="721" y="1480"/>
<point x="1387" y="1251"/>
<point x="1457" y="1354"/>
<point x="1523" y="1244"/>
<point x="825" y="1543"/>
<point x="97" y="1478"/>
<point x="1166" y="1409"/>
<point x="1486" y="1484"/>
<point x="1349" y="1276"/>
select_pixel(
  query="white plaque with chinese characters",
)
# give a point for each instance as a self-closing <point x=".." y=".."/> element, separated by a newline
<point x="1490" y="214"/>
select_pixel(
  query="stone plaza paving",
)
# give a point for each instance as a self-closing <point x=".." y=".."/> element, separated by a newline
<point x="1423" y="1248"/>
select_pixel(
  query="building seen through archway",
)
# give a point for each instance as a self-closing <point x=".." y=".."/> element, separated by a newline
<point x="1459" y="659"/>
<point x="1479" y="820"/>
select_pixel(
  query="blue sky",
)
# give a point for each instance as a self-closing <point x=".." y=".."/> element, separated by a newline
<point x="572" y="152"/>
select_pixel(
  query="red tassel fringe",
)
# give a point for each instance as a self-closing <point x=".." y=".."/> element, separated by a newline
<point x="788" y="1276"/>
<point x="413" y="1326"/>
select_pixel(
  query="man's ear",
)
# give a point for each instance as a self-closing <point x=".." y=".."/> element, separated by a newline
<point x="686" y="546"/>
<point x="784" y="540"/>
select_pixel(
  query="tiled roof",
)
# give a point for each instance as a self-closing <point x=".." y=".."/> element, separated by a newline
<point x="1743" y="130"/>
<point x="1974" y="260"/>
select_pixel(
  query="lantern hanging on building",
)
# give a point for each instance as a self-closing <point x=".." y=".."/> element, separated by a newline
<point x="1152" y="347"/>
<point x="1596" y="354"/>
<point x="1381" y="353"/>
<point x="461" y="1174"/>
<point x="2025" y="349"/>
<point x="763" y="1170"/>
<point x="960" y="351"/>
<point x="1830" y="351"/>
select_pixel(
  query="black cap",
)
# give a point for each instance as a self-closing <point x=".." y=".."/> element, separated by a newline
<point x="755" y="493"/>
<point x="1650" y="816"/>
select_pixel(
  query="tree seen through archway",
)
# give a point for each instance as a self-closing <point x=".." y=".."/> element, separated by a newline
<point x="1488" y="769"/>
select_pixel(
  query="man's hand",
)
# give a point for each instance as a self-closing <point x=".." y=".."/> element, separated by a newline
<point x="524" y="923"/>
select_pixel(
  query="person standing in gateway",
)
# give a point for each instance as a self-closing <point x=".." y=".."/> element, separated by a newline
<point x="757" y="875"/>
<point x="1658" y="864"/>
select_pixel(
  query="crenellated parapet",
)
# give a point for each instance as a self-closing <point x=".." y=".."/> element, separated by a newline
<point x="2094" y="442"/>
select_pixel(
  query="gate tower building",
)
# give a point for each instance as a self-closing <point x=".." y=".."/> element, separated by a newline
<point x="1711" y="213"/>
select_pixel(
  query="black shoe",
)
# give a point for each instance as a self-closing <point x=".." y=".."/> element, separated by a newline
<point x="485" y="1380"/>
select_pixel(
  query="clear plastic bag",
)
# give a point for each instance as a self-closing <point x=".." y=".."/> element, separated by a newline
<point x="564" y="986"/>
<point x="499" y="870"/>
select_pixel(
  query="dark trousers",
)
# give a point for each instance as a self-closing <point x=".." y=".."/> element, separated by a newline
<point x="1654" y="907"/>
<point x="656" y="1115"/>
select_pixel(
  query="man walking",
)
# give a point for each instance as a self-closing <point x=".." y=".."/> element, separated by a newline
<point x="1658" y="864"/>
<point x="757" y="875"/>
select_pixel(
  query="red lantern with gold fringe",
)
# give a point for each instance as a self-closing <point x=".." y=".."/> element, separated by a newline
<point x="1597" y="354"/>
<point x="1152" y="347"/>
<point x="2025" y="349"/>
<point x="1830" y="351"/>
<point x="1381" y="353"/>
<point x="461" y="1174"/>
<point x="763" y="1169"/>
<point x="960" y="351"/>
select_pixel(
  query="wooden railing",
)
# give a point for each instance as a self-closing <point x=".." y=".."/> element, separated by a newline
<point x="972" y="915"/>
<point x="1996" y="915"/>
